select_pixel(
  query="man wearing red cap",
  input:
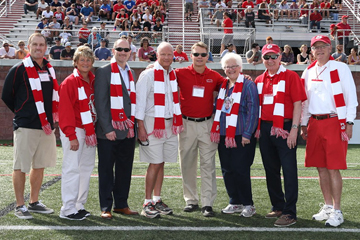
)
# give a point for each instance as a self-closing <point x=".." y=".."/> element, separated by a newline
<point x="326" y="124"/>
<point x="343" y="31"/>
<point x="280" y="95"/>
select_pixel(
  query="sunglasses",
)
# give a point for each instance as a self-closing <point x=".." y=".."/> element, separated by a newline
<point x="267" y="57"/>
<point x="199" y="54"/>
<point x="119" y="49"/>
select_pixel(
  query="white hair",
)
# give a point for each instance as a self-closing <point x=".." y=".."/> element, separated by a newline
<point x="231" y="56"/>
<point x="164" y="45"/>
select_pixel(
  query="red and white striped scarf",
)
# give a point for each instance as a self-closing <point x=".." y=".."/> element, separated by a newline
<point x="232" y="117"/>
<point x="85" y="114"/>
<point x="119" y="118"/>
<point x="338" y="99"/>
<point x="159" y="102"/>
<point x="279" y="100"/>
<point x="35" y="85"/>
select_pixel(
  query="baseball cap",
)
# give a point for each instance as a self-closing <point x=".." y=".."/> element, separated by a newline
<point x="57" y="39"/>
<point x="103" y="40"/>
<point x="229" y="45"/>
<point x="68" y="44"/>
<point x="345" y="16"/>
<point x="320" y="38"/>
<point x="270" y="48"/>
<point x="332" y="25"/>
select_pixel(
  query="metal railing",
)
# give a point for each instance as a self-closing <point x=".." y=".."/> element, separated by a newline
<point x="5" y="7"/>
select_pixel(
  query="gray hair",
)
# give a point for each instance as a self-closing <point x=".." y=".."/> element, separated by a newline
<point x="163" y="45"/>
<point x="231" y="56"/>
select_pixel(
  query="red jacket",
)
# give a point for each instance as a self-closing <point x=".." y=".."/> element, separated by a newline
<point x="315" y="17"/>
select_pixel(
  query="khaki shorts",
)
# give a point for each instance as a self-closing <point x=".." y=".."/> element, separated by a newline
<point x="33" y="149"/>
<point x="189" y="7"/>
<point x="159" y="150"/>
<point x="227" y="38"/>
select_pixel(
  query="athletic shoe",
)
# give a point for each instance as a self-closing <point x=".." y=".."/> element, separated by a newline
<point x="323" y="214"/>
<point x="22" y="212"/>
<point x="231" y="208"/>
<point x="75" y="216"/>
<point x="273" y="214"/>
<point x="84" y="212"/>
<point x="335" y="219"/>
<point x="191" y="207"/>
<point x="248" y="211"/>
<point x="207" y="211"/>
<point x="149" y="211"/>
<point x="285" y="221"/>
<point x="38" y="207"/>
<point x="163" y="208"/>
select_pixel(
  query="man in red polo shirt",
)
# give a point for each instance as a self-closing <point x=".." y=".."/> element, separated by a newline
<point x="197" y="84"/>
<point x="280" y="96"/>
<point x="343" y="31"/>
<point x="228" y="31"/>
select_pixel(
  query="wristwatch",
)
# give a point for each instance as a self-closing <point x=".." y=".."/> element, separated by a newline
<point x="294" y="126"/>
<point x="350" y="123"/>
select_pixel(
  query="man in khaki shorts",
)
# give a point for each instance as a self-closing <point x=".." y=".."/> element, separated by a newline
<point x="30" y="91"/>
<point x="159" y="121"/>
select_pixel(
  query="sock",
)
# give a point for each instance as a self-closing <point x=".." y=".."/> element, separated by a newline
<point x="147" y="201"/>
<point x="329" y="206"/>
<point x="156" y="198"/>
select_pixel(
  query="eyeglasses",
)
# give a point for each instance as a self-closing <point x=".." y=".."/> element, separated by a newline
<point x="267" y="57"/>
<point x="199" y="54"/>
<point x="119" y="49"/>
<point x="231" y="67"/>
<point x="322" y="47"/>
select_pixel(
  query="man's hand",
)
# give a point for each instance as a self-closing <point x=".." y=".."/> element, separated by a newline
<point x="111" y="136"/>
<point x="142" y="134"/>
<point x="291" y="140"/>
<point x="349" y="130"/>
<point x="304" y="132"/>
<point x="244" y="141"/>
<point x="74" y="145"/>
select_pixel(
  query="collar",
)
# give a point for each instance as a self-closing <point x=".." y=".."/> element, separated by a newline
<point x="280" y="70"/>
<point x="191" y="68"/>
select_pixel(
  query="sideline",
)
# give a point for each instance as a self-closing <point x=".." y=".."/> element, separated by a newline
<point x="194" y="229"/>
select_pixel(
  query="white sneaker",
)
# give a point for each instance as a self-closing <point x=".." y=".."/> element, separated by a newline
<point x="248" y="211"/>
<point x="336" y="218"/>
<point x="230" y="209"/>
<point x="324" y="213"/>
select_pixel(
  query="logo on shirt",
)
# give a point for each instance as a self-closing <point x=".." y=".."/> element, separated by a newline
<point x="269" y="46"/>
<point x="209" y="80"/>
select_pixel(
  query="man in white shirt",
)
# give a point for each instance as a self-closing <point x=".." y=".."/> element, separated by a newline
<point x="7" y="52"/>
<point x="327" y="120"/>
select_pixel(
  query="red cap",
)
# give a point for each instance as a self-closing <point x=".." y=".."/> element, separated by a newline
<point x="332" y="25"/>
<point x="345" y="16"/>
<point x="270" y="48"/>
<point x="320" y="38"/>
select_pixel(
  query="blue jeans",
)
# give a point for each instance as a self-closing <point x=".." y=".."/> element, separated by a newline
<point x="30" y="8"/>
<point x="313" y="23"/>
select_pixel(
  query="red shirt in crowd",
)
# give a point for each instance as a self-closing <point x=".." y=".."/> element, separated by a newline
<point x="228" y="25"/>
<point x="315" y="17"/>
<point x="341" y="25"/>
<point x="117" y="8"/>
<point x="85" y="32"/>
<point x="182" y="56"/>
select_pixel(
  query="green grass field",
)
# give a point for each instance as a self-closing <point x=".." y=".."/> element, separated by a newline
<point x="195" y="226"/>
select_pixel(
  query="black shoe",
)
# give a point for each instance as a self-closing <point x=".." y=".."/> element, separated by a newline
<point x="191" y="207"/>
<point x="84" y="213"/>
<point x="207" y="211"/>
<point x="75" y="216"/>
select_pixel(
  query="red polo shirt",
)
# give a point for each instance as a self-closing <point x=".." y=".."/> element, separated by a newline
<point x="228" y="24"/>
<point x="197" y="107"/>
<point x="340" y="25"/>
<point x="294" y="91"/>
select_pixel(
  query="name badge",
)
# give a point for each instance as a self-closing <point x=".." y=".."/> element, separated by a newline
<point x="44" y="76"/>
<point x="228" y="102"/>
<point x="268" y="99"/>
<point x="198" y="91"/>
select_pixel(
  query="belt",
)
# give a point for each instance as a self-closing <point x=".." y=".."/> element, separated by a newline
<point x="196" y="119"/>
<point x="324" y="116"/>
<point x="168" y="118"/>
<point x="285" y="120"/>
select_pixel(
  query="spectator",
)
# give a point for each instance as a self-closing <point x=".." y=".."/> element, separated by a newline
<point x="59" y="15"/>
<point x="67" y="53"/>
<point x="146" y="33"/>
<point x="230" y="49"/>
<point x="102" y="53"/>
<point x="338" y="4"/>
<point x="135" y="16"/>
<point x="7" y="52"/>
<point x="132" y="47"/>
<point x="21" y="52"/>
<point x="269" y="40"/>
<point x="303" y="56"/>
<point x="65" y="37"/>
<point x="325" y="6"/>
<point x="228" y="31"/>
<point x="249" y="17"/>
<point x="43" y="23"/>
<point x="315" y="19"/>
<point x="47" y="13"/>
<point x="179" y="55"/>
<point x="294" y="10"/>
<point x="105" y="10"/>
<point x="353" y="58"/>
<point x="86" y="12"/>
<point x="339" y="55"/>
<point x="120" y="18"/>
<point x="189" y="9"/>
<point x="41" y="7"/>
<point x="220" y="4"/>
<point x="84" y="33"/>
<point x="315" y="4"/>
<point x="202" y="4"/>
<point x="129" y="6"/>
<point x="124" y="29"/>
<point x="94" y="39"/>
<point x="104" y="33"/>
<point x="253" y="56"/>
<point x="116" y="10"/>
<point x="218" y="16"/>
<point x="55" y="51"/>
<point x="66" y="4"/>
<point x="67" y="25"/>
<point x="210" y="59"/>
<point x="304" y="14"/>
<point x="73" y="14"/>
<point x="287" y="56"/>
<point x="264" y="14"/>
<point x="135" y="30"/>
<point x="333" y="30"/>
<point x="343" y="31"/>
<point x="157" y="29"/>
<point x="46" y="32"/>
<point x="284" y="9"/>
<point x="95" y="4"/>
<point x="158" y="15"/>
<point x="30" y="5"/>
<point x="162" y="8"/>
<point x="55" y="27"/>
<point x="145" y="50"/>
<point x="334" y="11"/>
<point x="147" y="18"/>
<point x="273" y="9"/>
<point x="54" y="5"/>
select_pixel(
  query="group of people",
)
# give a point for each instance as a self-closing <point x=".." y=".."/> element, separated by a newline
<point x="161" y="109"/>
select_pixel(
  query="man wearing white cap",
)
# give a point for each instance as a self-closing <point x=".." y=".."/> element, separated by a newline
<point x="280" y="95"/>
<point x="326" y="124"/>
<point x="67" y="53"/>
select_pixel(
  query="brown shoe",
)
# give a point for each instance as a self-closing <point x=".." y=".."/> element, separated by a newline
<point x="106" y="215"/>
<point x="285" y="221"/>
<point x="273" y="214"/>
<point x="125" y="211"/>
